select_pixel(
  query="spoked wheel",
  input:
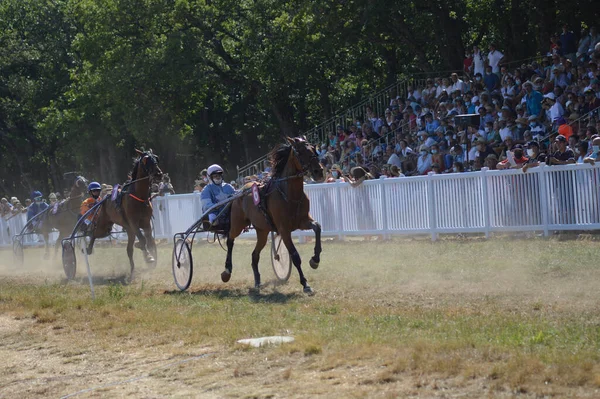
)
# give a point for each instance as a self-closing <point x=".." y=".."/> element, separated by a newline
<point x="18" y="250"/>
<point x="280" y="258"/>
<point x="183" y="265"/>
<point x="68" y="259"/>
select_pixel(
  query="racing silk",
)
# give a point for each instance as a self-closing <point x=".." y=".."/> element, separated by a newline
<point x="86" y="205"/>
<point x="213" y="194"/>
<point x="36" y="208"/>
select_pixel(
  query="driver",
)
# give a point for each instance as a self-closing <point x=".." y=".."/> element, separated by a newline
<point x="215" y="192"/>
<point x="36" y="207"/>
<point x="94" y="189"/>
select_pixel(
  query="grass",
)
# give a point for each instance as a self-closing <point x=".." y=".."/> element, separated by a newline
<point x="389" y="318"/>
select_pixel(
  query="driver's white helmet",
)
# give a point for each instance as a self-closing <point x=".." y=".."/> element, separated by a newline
<point x="214" y="169"/>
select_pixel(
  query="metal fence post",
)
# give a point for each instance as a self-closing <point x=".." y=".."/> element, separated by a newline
<point x="431" y="206"/>
<point x="384" y="210"/>
<point x="486" y="203"/>
<point x="340" y="219"/>
<point x="544" y="196"/>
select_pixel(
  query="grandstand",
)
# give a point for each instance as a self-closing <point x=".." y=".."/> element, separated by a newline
<point x="524" y="104"/>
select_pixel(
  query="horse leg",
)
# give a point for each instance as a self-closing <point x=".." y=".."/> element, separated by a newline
<point x="262" y="237"/>
<point x="286" y="236"/>
<point x="235" y="229"/>
<point x="316" y="227"/>
<point x="150" y="245"/>
<point x="58" y="243"/>
<point x="130" y="241"/>
<point x="226" y="274"/>
<point x="46" y="245"/>
<point x="90" y="246"/>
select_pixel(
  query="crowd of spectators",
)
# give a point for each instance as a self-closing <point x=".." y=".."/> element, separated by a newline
<point x="514" y="115"/>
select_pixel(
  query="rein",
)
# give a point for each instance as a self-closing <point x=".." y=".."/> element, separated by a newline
<point x="137" y="198"/>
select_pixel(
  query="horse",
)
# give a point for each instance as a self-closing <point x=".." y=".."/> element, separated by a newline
<point x="134" y="212"/>
<point x="286" y="207"/>
<point x="63" y="216"/>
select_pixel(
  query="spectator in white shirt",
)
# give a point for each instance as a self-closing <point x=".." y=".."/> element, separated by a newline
<point x="424" y="162"/>
<point x="555" y="109"/>
<point x="494" y="58"/>
<point x="457" y="84"/>
<point x="478" y="61"/>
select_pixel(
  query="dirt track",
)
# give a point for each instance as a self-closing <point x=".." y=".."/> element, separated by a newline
<point x="46" y="356"/>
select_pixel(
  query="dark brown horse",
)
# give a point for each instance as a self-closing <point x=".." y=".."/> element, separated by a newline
<point x="134" y="212"/>
<point x="286" y="207"/>
<point x="64" y="216"/>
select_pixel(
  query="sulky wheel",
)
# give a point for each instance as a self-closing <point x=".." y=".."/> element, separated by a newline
<point x="182" y="264"/>
<point x="280" y="258"/>
<point x="18" y="251"/>
<point x="68" y="259"/>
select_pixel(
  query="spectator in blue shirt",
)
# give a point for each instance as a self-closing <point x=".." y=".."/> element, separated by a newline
<point x="431" y="124"/>
<point x="491" y="80"/>
<point x="533" y="99"/>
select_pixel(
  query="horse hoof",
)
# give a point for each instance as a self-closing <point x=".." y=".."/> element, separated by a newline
<point x="309" y="291"/>
<point x="150" y="259"/>
<point x="225" y="276"/>
<point x="313" y="264"/>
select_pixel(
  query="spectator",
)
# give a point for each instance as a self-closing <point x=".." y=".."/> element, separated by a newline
<point x="534" y="155"/>
<point x="396" y="172"/>
<point x="468" y="63"/>
<point x="484" y="150"/>
<point x="358" y="175"/>
<point x="583" y="155"/>
<point x="592" y="154"/>
<point x="165" y="186"/>
<point x="393" y="158"/>
<point x="424" y="162"/>
<point x="491" y="80"/>
<point x="495" y="57"/>
<point x="458" y="167"/>
<point x="479" y="61"/>
<point x="437" y="157"/>
<point x="555" y="109"/>
<point x="435" y="169"/>
<point x="491" y="161"/>
<point x="334" y="174"/>
<point x="563" y="155"/>
<point x="5" y="208"/>
<point x="457" y="84"/>
<point x="591" y="101"/>
<point x="514" y="159"/>
<point x="533" y="99"/>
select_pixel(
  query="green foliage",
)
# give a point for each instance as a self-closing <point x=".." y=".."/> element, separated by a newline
<point x="84" y="82"/>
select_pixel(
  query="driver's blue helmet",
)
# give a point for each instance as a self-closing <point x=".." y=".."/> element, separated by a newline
<point x="35" y="194"/>
<point x="94" y="186"/>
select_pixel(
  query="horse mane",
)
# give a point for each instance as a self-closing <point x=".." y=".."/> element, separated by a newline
<point x="279" y="156"/>
<point x="136" y="162"/>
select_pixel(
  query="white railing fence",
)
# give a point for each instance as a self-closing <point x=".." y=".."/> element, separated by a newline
<point x="544" y="199"/>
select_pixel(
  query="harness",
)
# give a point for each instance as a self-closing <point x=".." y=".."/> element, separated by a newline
<point x="274" y="184"/>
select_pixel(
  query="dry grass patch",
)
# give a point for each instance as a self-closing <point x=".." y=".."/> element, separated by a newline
<point x="390" y="319"/>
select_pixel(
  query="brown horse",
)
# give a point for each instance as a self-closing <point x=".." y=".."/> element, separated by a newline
<point x="135" y="210"/>
<point x="64" y="216"/>
<point x="286" y="207"/>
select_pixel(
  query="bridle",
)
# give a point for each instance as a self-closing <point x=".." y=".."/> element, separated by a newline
<point x="305" y="167"/>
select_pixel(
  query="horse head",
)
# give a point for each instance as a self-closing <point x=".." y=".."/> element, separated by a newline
<point x="79" y="186"/>
<point x="307" y="157"/>
<point x="148" y="164"/>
